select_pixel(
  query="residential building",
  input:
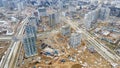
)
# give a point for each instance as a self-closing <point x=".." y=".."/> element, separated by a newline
<point x="20" y="6"/>
<point x="104" y="13"/>
<point x="29" y="45"/>
<point x="87" y="21"/>
<point x="1" y="3"/>
<point x="66" y="30"/>
<point x="75" y="40"/>
<point x="53" y="19"/>
<point x="33" y="21"/>
<point x="30" y="29"/>
<point x="29" y="40"/>
<point x="90" y="18"/>
<point x="42" y="11"/>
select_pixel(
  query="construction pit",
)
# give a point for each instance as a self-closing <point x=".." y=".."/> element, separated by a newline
<point x="66" y="57"/>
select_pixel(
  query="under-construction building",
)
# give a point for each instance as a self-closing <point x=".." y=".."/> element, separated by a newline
<point x="66" y="30"/>
<point x="75" y="40"/>
<point x="91" y="18"/>
<point x="53" y="19"/>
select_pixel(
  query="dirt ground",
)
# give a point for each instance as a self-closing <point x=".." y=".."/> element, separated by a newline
<point x="83" y="59"/>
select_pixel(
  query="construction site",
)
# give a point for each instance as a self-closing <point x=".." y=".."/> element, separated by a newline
<point x="55" y="51"/>
<point x="59" y="34"/>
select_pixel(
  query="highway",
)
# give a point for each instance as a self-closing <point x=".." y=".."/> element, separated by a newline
<point x="111" y="57"/>
<point x="8" y="60"/>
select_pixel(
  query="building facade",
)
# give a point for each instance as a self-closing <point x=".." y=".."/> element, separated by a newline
<point x="104" y="13"/>
<point x="75" y="40"/>
<point x="29" y="45"/>
<point x="29" y="40"/>
<point x="1" y="3"/>
<point x="20" y="6"/>
<point x="34" y="21"/>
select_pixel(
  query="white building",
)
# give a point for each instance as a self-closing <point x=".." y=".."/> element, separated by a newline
<point x="75" y="40"/>
<point x="90" y="18"/>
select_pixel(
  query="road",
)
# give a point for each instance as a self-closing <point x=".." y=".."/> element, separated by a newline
<point x="5" y="38"/>
<point x="9" y="58"/>
<point x="99" y="47"/>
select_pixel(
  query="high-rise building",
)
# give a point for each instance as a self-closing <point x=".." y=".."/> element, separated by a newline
<point x="30" y="29"/>
<point x="90" y="18"/>
<point x="104" y="13"/>
<point x="1" y="3"/>
<point x="34" y="21"/>
<point x="53" y="19"/>
<point x="66" y="30"/>
<point x="87" y="20"/>
<point x="20" y="6"/>
<point x="29" y="45"/>
<point x="75" y="40"/>
<point x="60" y="5"/>
<point x="42" y="11"/>
<point x="29" y="40"/>
<point x="5" y="3"/>
<point x="11" y="5"/>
